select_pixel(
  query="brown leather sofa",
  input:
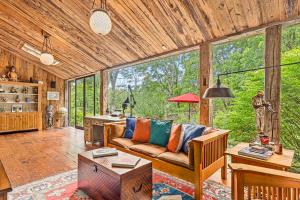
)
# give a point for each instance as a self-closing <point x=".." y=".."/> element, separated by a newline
<point x="205" y="156"/>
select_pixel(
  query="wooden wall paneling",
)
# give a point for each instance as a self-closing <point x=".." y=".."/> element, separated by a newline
<point x="26" y="70"/>
<point x="205" y="78"/>
<point x="273" y="80"/>
<point x="103" y="91"/>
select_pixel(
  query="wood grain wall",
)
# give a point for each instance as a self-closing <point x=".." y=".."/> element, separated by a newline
<point x="26" y="70"/>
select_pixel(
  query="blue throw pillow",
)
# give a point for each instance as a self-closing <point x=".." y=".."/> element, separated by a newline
<point x="130" y="126"/>
<point x="160" y="132"/>
<point x="190" y="132"/>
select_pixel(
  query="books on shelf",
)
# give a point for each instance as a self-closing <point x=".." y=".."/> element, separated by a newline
<point x="256" y="153"/>
<point x="105" y="151"/>
<point x="126" y="161"/>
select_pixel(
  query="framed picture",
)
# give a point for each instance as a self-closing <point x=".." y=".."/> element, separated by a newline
<point x="19" y="108"/>
<point x="54" y="96"/>
<point x="14" y="108"/>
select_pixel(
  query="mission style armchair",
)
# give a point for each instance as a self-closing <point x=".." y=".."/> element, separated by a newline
<point x="251" y="182"/>
<point x="205" y="156"/>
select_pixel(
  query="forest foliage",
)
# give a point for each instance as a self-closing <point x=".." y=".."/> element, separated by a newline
<point x="156" y="81"/>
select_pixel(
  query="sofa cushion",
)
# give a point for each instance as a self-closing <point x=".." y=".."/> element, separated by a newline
<point x="123" y="142"/>
<point x="160" y="132"/>
<point x="148" y="149"/>
<point x="142" y="130"/>
<point x="190" y="132"/>
<point x="176" y="158"/>
<point x="176" y="139"/>
<point x="130" y="126"/>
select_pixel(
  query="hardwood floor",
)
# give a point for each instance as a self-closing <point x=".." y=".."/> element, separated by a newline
<point x="32" y="156"/>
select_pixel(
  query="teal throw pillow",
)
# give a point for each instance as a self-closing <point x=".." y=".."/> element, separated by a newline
<point x="160" y="132"/>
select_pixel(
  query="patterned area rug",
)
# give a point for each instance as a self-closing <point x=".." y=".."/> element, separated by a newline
<point x="64" y="186"/>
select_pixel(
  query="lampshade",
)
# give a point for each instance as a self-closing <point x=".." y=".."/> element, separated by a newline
<point x="218" y="91"/>
<point x="100" y="22"/>
<point x="46" y="58"/>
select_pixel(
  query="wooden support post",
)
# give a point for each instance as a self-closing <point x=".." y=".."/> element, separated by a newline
<point x="205" y="77"/>
<point x="103" y="91"/>
<point x="273" y="81"/>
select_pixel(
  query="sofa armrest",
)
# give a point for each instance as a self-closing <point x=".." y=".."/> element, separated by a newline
<point x="113" y="130"/>
<point x="209" y="153"/>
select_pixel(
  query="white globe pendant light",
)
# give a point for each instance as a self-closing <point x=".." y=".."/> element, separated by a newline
<point x="100" y="21"/>
<point x="46" y="57"/>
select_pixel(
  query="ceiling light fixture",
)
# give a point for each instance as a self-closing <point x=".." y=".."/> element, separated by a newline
<point x="100" y="21"/>
<point x="46" y="57"/>
<point x="35" y="52"/>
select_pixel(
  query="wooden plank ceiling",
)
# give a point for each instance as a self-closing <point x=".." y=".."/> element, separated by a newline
<point x="141" y="28"/>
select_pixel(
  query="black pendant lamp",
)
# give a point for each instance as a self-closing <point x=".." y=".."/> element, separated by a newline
<point x="218" y="91"/>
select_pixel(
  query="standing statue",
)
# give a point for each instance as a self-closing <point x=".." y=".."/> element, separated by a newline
<point x="12" y="74"/>
<point x="50" y="116"/>
<point x="259" y="104"/>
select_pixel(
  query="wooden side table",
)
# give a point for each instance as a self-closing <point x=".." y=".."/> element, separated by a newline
<point x="93" y="127"/>
<point x="279" y="162"/>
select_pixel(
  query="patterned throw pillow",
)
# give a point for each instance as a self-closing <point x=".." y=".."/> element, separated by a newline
<point x="160" y="132"/>
<point x="130" y="126"/>
<point x="142" y="130"/>
<point x="190" y="132"/>
<point x="176" y="139"/>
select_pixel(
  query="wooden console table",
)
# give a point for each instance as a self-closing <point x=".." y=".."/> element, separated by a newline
<point x="93" y="127"/>
<point x="279" y="162"/>
<point x="5" y="186"/>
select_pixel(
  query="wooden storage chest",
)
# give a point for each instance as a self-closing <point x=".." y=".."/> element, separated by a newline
<point x="100" y="181"/>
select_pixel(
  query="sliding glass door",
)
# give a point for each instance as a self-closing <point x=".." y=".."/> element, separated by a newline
<point x="83" y="99"/>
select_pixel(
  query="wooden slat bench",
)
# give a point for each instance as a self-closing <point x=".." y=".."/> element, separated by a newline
<point x="5" y="185"/>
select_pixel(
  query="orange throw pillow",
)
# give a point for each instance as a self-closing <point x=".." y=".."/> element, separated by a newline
<point x="175" y="140"/>
<point x="142" y="130"/>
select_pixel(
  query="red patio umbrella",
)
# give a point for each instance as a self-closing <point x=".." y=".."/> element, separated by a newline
<point x="186" y="98"/>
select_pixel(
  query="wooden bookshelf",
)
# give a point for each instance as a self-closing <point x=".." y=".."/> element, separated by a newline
<point x="23" y="115"/>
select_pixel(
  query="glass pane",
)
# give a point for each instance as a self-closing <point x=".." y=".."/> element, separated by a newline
<point x="237" y="114"/>
<point x="89" y="96"/>
<point x="79" y="102"/>
<point x="290" y="92"/>
<point x="97" y="94"/>
<point x="153" y="83"/>
<point x="72" y="103"/>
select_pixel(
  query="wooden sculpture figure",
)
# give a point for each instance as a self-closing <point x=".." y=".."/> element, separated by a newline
<point x="259" y="104"/>
<point x="12" y="74"/>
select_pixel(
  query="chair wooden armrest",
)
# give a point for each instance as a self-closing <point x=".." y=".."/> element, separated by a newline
<point x="252" y="182"/>
<point x="209" y="156"/>
<point x="5" y="185"/>
<point x="113" y="130"/>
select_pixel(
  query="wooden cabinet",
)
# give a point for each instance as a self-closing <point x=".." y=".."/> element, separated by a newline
<point x="2" y="122"/>
<point x="18" y="121"/>
<point x="24" y="114"/>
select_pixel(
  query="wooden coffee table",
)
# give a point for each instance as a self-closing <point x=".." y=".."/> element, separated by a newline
<point x="98" y="179"/>
<point x="280" y="162"/>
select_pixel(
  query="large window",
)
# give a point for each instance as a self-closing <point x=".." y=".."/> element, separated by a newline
<point x="237" y="114"/>
<point x="84" y="99"/>
<point x="290" y="92"/>
<point x="153" y="83"/>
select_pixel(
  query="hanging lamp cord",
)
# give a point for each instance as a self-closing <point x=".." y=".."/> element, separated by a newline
<point x="256" y="69"/>
<point x="102" y="5"/>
